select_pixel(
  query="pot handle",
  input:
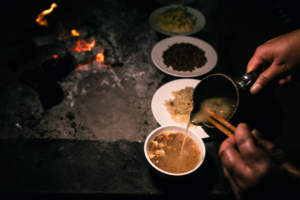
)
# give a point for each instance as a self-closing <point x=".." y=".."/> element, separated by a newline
<point x="247" y="80"/>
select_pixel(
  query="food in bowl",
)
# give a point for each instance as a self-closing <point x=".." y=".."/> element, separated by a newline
<point x="164" y="152"/>
<point x="181" y="106"/>
<point x="184" y="57"/>
<point x="177" y="19"/>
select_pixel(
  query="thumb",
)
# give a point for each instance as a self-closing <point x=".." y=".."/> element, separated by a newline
<point x="267" y="77"/>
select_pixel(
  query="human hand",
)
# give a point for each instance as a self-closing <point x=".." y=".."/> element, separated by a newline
<point x="280" y="60"/>
<point x="257" y="172"/>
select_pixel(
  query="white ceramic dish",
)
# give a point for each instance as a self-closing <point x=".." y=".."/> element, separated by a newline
<point x="200" y="22"/>
<point x="190" y="133"/>
<point x="160" y="112"/>
<point x="182" y="2"/>
<point x="159" y="48"/>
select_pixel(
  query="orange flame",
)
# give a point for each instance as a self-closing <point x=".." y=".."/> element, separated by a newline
<point x="100" y="57"/>
<point x="54" y="56"/>
<point x="40" y="19"/>
<point x="75" y="32"/>
<point x="84" y="46"/>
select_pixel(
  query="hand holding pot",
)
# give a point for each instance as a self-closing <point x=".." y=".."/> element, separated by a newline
<point x="280" y="60"/>
<point x="257" y="172"/>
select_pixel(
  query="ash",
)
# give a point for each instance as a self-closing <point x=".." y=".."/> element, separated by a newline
<point x="102" y="101"/>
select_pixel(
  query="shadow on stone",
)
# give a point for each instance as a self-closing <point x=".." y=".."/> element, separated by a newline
<point x="202" y="180"/>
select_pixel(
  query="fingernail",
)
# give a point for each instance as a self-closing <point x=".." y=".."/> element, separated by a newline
<point x="249" y="69"/>
<point x="257" y="134"/>
<point x="256" y="88"/>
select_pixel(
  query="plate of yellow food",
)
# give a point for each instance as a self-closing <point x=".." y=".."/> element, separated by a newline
<point x="177" y="20"/>
<point x="172" y="104"/>
<point x="184" y="56"/>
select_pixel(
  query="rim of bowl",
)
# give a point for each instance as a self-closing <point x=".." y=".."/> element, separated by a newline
<point x="168" y="173"/>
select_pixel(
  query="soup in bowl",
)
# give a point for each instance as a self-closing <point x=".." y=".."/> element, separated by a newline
<point x="163" y="151"/>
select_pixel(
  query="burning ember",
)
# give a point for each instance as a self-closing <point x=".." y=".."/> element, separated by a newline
<point x="75" y="32"/>
<point x="84" y="46"/>
<point x="100" y="57"/>
<point x="40" y="19"/>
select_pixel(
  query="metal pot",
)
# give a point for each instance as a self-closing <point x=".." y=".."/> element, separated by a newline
<point x="247" y="108"/>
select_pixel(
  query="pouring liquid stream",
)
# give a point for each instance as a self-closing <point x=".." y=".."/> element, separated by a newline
<point x="187" y="128"/>
<point x="182" y="146"/>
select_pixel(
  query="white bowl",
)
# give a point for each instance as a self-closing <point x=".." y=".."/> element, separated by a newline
<point x="178" y="128"/>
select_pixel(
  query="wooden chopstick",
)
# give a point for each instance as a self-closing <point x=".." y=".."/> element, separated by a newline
<point x="224" y="125"/>
<point x="221" y="121"/>
<point x="219" y="126"/>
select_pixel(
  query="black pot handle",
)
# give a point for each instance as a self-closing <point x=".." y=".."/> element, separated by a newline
<point x="247" y="80"/>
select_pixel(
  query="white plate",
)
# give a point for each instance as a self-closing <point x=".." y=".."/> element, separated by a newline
<point x="175" y="2"/>
<point x="200" y="22"/>
<point x="160" y="112"/>
<point x="159" y="48"/>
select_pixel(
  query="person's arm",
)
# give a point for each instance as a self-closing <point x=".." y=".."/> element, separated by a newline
<point x="257" y="172"/>
<point x="279" y="59"/>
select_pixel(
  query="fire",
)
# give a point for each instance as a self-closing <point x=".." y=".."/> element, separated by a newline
<point x="55" y="56"/>
<point x="100" y="57"/>
<point x="84" y="46"/>
<point x="40" y="19"/>
<point x="75" y="32"/>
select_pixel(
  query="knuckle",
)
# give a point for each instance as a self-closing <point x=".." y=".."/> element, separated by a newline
<point x="222" y="153"/>
<point x="224" y="147"/>
<point x="242" y="141"/>
<point x="263" y="170"/>
<point x="260" y="48"/>
<point x="263" y="79"/>
<point x="283" y="68"/>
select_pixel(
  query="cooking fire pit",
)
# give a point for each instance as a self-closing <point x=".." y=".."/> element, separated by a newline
<point x="88" y="77"/>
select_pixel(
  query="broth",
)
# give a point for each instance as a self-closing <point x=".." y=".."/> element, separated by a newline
<point x="164" y="151"/>
<point x="224" y="107"/>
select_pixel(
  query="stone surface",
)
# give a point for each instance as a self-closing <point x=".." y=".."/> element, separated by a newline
<point x="85" y="166"/>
